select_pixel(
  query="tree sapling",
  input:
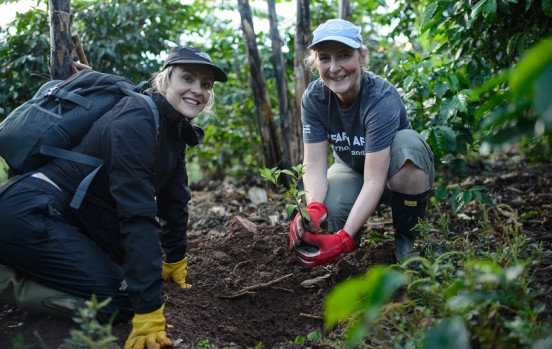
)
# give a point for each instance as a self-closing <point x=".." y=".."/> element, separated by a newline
<point x="292" y="193"/>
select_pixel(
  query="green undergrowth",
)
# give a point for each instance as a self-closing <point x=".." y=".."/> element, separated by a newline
<point x="472" y="289"/>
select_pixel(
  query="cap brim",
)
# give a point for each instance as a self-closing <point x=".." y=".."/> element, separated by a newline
<point x="341" y="39"/>
<point x="219" y="74"/>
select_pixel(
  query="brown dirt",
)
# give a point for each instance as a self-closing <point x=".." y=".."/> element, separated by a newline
<point x="248" y="288"/>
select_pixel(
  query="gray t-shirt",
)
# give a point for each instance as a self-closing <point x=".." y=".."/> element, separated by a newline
<point x="369" y="125"/>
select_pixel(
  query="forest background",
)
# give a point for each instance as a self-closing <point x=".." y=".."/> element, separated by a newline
<point x="476" y="76"/>
<point x="455" y="64"/>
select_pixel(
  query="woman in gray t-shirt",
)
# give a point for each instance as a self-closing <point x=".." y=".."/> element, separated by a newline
<point x="363" y="119"/>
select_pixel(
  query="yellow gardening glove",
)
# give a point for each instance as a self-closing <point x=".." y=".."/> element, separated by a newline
<point x="148" y="331"/>
<point x="176" y="272"/>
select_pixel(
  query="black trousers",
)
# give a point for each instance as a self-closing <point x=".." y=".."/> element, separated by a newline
<point x="40" y="240"/>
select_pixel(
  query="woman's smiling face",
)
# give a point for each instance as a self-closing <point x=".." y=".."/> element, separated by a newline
<point x="190" y="88"/>
<point x="340" y="67"/>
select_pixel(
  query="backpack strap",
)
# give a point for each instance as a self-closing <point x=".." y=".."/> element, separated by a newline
<point x="70" y="96"/>
<point x="78" y="197"/>
<point x="70" y="155"/>
<point x="150" y="102"/>
<point x="83" y="188"/>
<point x="154" y="109"/>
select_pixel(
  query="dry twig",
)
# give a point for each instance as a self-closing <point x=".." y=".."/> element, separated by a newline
<point x="250" y="289"/>
<point x="310" y="316"/>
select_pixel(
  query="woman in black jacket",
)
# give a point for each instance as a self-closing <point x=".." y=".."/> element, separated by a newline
<point x="130" y="231"/>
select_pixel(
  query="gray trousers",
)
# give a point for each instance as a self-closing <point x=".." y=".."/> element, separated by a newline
<point x="344" y="183"/>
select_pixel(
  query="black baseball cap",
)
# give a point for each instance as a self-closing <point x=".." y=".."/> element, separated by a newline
<point x="190" y="55"/>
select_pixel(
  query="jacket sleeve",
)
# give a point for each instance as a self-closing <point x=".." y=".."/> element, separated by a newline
<point x="172" y="203"/>
<point x="130" y="144"/>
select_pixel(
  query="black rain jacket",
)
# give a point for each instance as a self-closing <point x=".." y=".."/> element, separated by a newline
<point x="136" y="207"/>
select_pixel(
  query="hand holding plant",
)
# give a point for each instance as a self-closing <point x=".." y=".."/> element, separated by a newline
<point x="314" y="213"/>
<point x="317" y="215"/>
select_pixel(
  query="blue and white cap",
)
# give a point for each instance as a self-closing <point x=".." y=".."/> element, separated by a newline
<point x="338" y="30"/>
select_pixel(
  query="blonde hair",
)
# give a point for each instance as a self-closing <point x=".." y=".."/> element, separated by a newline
<point x="310" y="58"/>
<point x="161" y="81"/>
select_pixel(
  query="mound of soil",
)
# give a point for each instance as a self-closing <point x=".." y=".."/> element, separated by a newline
<point x="247" y="286"/>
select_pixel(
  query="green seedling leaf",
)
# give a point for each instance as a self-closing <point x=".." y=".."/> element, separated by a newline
<point x="299" y="169"/>
<point x="513" y="272"/>
<point x="448" y="333"/>
<point x="367" y="293"/>
<point x="314" y="336"/>
<point x="289" y="209"/>
<point x="291" y="192"/>
<point x="305" y="215"/>
<point x="468" y="300"/>
<point x="454" y="288"/>
<point x="486" y="271"/>
<point x="289" y="173"/>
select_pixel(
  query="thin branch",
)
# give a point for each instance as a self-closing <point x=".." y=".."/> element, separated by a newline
<point x="310" y="316"/>
<point x="250" y="289"/>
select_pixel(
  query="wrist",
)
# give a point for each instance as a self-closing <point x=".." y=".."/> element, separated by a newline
<point x="152" y="315"/>
<point x="346" y="239"/>
<point x="172" y="264"/>
<point x="317" y="205"/>
<point x="343" y="231"/>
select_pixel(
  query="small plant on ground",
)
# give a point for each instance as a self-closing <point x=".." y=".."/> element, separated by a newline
<point x="92" y="334"/>
<point x="292" y="192"/>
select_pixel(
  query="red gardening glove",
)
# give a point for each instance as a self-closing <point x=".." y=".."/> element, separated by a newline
<point x="329" y="247"/>
<point x="318" y="214"/>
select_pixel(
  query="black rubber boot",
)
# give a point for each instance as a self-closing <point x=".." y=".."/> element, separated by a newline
<point x="407" y="210"/>
<point x="27" y="294"/>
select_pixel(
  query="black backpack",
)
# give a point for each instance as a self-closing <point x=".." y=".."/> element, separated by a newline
<point x="58" y="116"/>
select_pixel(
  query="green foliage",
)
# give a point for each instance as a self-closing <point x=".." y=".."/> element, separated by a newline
<point x="292" y="192"/>
<point x="522" y="108"/>
<point x="130" y="38"/>
<point x="203" y="344"/>
<point x="92" y="334"/>
<point x="22" y="70"/>
<point x="457" y="48"/>
<point x="458" y="197"/>
<point x="438" y="54"/>
<point x="312" y="337"/>
<point x="486" y="285"/>
<point x="448" y="333"/>
<point x="142" y="31"/>
<point x="467" y="291"/>
<point x="361" y="298"/>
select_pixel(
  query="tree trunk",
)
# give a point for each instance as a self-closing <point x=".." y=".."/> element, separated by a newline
<point x="344" y="9"/>
<point x="302" y="75"/>
<point x="292" y="140"/>
<point x="60" y="39"/>
<point x="269" y="136"/>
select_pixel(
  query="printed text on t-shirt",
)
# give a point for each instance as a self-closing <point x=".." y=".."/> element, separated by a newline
<point x="337" y="138"/>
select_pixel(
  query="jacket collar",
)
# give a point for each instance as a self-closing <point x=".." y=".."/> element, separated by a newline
<point x="184" y="130"/>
